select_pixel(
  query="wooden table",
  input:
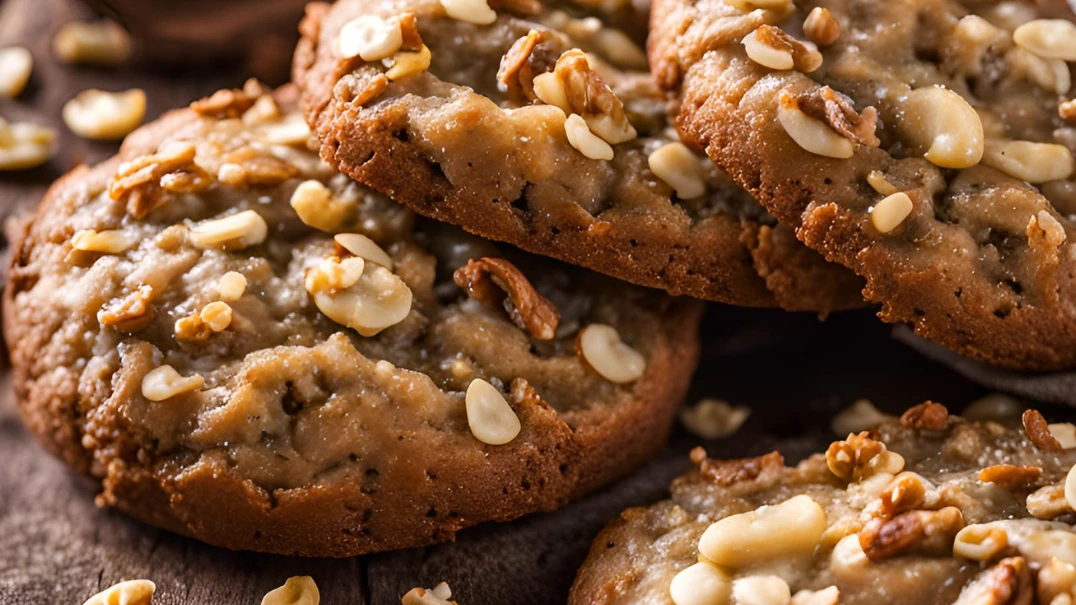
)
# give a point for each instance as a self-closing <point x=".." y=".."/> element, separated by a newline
<point x="57" y="548"/>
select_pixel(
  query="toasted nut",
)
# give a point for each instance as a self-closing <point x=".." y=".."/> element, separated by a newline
<point x="297" y="590"/>
<point x="216" y="315"/>
<point x="496" y="281"/>
<point x="837" y="111"/>
<point x="905" y="492"/>
<point x="860" y="456"/>
<point x="1048" y="38"/>
<point x="131" y="592"/>
<point x="108" y="242"/>
<point x="980" y="542"/>
<point x="28" y="145"/>
<point x="700" y="584"/>
<point x="942" y="126"/>
<point x="926" y="532"/>
<point x="761" y="590"/>
<point x="821" y="27"/>
<point x="714" y="419"/>
<point x="101" y="115"/>
<point x="165" y="382"/>
<point x="1038" y="432"/>
<point x="878" y="182"/>
<point x="1032" y="162"/>
<point x="264" y="110"/>
<point x="771" y="47"/>
<point x="549" y="89"/>
<point x="750" y="5"/>
<point x="528" y="57"/>
<point x="1010" y="476"/>
<point x="370" y="38"/>
<point x="374" y="300"/>
<point x="334" y="274"/>
<point x="1007" y="582"/>
<point x="491" y="419"/>
<point x="675" y="164"/>
<point x="602" y="349"/>
<point x="477" y="12"/>
<point x="792" y="528"/>
<point x="996" y="407"/>
<point x="1056" y="579"/>
<point x="766" y="55"/>
<point x="231" y="286"/>
<point x="102" y="43"/>
<point x="1070" y="487"/>
<point x="408" y="63"/>
<point x="826" y="596"/>
<point x="231" y="103"/>
<point x="891" y="211"/>
<point x="811" y="134"/>
<point x="730" y="472"/>
<point x="848" y="561"/>
<point x="438" y="595"/>
<point x="927" y="416"/>
<point x="365" y="248"/>
<point x="1051" y="75"/>
<point x="1044" y="232"/>
<point x="232" y="232"/>
<point x="586" y="142"/>
<point x="291" y="130"/>
<point x="130" y="313"/>
<point x="1048" y="502"/>
<point x="1067" y="111"/>
<point x="16" y="63"/>
<point x="1064" y="433"/>
<point x="860" y="416"/>
<point x="592" y="99"/>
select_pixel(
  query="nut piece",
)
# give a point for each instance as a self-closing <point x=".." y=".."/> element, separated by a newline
<point x="675" y="164"/>
<point x="477" y="12"/>
<point x="408" y="63"/>
<point x="996" y="407"/>
<point x="590" y="97"/>
<point x="714" y="419"/>
<point x="165" y="382"/>
<point x="370" y="38"/>
<point x="319" y="208"/>
<point x="130" y="313"/>
<point x="926" y="532"/>
<point x="1038" y="432"/>
<point x="105" y="116"/>
<point x="231" y="286"/>
<point x="112" y="241"/>
<point x="700" y="584"/>
<point x="232" y="103"/>
<point x="811" y="134"/>
<point x="131" y="592"/>
<point x="942" y="126"/>
<point x="1048" y="38"/>
<point x="102" y="43"/>
<point x="1048" y="502"/>
<point x="781" y="6"/>
<point x="145" y="181"/>
<point x="1070" y="487"/>
<point x="792" y="528"/>
<point x="550" y="90"/>
<point x="24" y="146"/>
<point x="1035" y="163"/>
<point x="528" y="58"/>
<point x="438" y="595"/>
<point x="730" y="472"/>
<point x="891" y="211"/>
<point x="297" y="590"/>
<point x="1051" y="75"/>
<point x="928" y="416"/>
<point x="491" y="419"/>
<point x="365" y="248"/>
<point x="497" y="282"/>
<point x="1056" y="579"/>
<point x="1067" y="111"/>
<point x="1064" y="433"/>
<point x="826" y="596"/>
<point x="860" y="456"/>
<point x="776" y="57"/>
<point x="366" y="298"/>
<point x="878" y="182"/>
<point x="233" y="232"/>
<point x="980" y="542"/>
<point x="1010" y="476"/>
<point x="586" y="142"/>
<point x="16" y="63"/>
<point x="771" y="47"/>
<point x="1008" y="582"/>
<point x="761" y="590"/>
<point x="602" y="349"/>
<point x="217" y="315"/>
<point x="860" y="416"/>
<point x="847" y="560"/>
<point x="821" y="27"/>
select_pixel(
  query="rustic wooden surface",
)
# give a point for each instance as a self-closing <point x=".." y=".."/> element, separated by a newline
<point x="56" y="547"/>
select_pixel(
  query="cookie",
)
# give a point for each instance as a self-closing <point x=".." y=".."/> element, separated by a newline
<point x="495" y="120"/>
<point x="247" y="348"/>
<point x="929" y="509"/>
<point x="927" y="145"/>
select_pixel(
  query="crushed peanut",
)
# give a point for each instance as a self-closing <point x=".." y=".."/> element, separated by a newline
<point x="131" y="592"/>
<point x="585" y="141"/>
<point x="112" y="241"/>
<point x="101" y="115"/>
<point x="366" y="298"/>
<point x="713" y="418"/>
<point x="891" y="211"/>
<point x="550" y="90"/>
<point x="809" y="133"/>
<point x="700" y="584"/>
<point x="601" y="347"/>
<point x="297" y="590"/>
<point x="145" y="182"/>
<point x="1048" y="38"/>
<point x="946" y="129"/>
<point x="761" y="590"/>
<point x="1035" y="163"/>
<point x="678" y="166"/>
<point x="130" y="313"/>
<point x="821" y="27"/>
<point x="370" y="38"/>
<point x="477" y="12"/>
<point x="497" y="282"/>
<point x="24" y="145"/>
<point x="1008" y="581"/>
<point x="165" y="382"/>
<point x="102" y="43"/>
<point x="319" y="208"/>
<point x="16" y="64"/>
<point x="233" y="232"/>
<point x="365" y="248"/>
<point x="491" y="419"/>
<point x="790" y="529"/>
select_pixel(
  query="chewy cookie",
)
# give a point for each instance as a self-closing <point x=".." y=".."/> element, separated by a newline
<point x="926" y="144"/>
<point x="932" y="509"/>
<point x="184" y="328"/>
<point x="495" y="119"/>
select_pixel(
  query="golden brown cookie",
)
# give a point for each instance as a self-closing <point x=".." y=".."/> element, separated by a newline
<point x="927" y="145"/>
<point x="539" y="125"/>
<point x="184" y="329"/>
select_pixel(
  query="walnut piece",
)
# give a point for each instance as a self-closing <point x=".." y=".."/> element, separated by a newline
<point x="927" y="416"/>
<point x="1038" y="432"/>
<point x="861" y="455"/>
<point x="805" y="57"/>
<point x="922" y="532"/>
<point x="837" y="111"/>
<point x="229" y="103"/>
<point x="145" y="182"/>
<point x="1011" y="476"/>
<point x="493" y="281"/>
<point x="591" y="98"/>
<point x="520" y="7"/>
<point x="1006" y="583"/>
<point x="731" y="472"/>
<point x="130" y="313"/>
<point x="250" y="166"/>
<point x="528" y="57"/>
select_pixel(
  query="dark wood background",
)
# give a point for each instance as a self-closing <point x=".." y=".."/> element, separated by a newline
<point x="56" y="547"/>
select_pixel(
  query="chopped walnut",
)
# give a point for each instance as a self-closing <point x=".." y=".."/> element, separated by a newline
<point x="927" y="416"/>
<point x="731" y="472"/>
<point x="527" y="58"/>
<point x="144" y="182"/>
<point x="412" y="40"/>
<point x="1011" y="476"/>
<point x="494" y="281"/>
<point x="250" y="166"/>
<point x="130" y="313"/>
<point x="836" y="110"/>
<point x="592" y="99"/>
<point x="906" y="492"/>
<point x="805" y="57"/>
<point x="520" y="7"/>
<point x="1006" y="583"/>
<point x="860" y="456"/>
<point x="923" y="532"/>
<point x="229" y="103"/>
<point x="1038" y="432"/>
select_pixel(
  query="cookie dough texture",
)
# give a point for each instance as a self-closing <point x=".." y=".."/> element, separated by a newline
<point x="305" y="437"/>
<point x="452" y="145"/>
<point x="964" y="475"/>
<point x="984" y="262"/>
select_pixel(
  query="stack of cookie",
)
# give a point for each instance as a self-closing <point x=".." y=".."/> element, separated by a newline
<point x="421" y="287"/>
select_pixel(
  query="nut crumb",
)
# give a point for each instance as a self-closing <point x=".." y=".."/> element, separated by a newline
<point x="730" y="472"/>
<point x="1011" y="476"/>
<point x="144" y="183"/>
<point x="130" y="313"/>
<point x="838" y="112"/>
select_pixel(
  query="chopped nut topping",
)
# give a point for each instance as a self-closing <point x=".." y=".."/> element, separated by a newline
<point x="230" y="103"/>
<point x="1065" y="433"/>
<point x="927" y="416"/>
<point x="550" y="90"/>
<point x="1048" y="502"/>
<point x="408" y="63"/>
<point x="860" y="416"/>
<point x="700" y="583"/>
<point x="891" y="211"/>
<point x="335" y="273"/>
<point x="1035" y="163"/>
<point x="1056" y="579"/>
<point x="1051" y="75"/>
<point x="731" y="472"/>
<point x="905" y="492"/>
<point x="601" y="347"/>
<point x="1067" y="111"/>
<point x="519" y="7"/>
<point x="821" y="27"/>
<point x="165" y="382"/>
<point x="16" y="64"/>
<point x="980" y="542"/>
<point x="1038" y="432"/>
<point x="591" y="98"/>
<point x="24" y="146"/>
<point x="370" y="38"/>
<point x="131" y="592"/>
<point x="714" y="419"/>
<point x="527" y="59"/>
<point x="255" y="167"/>
<point x="585" y="141"/>
<point x="1045" y="233"/>
<point x="761" y="590"/>
<point x="878" y="182"/>
<point x="1048" y="38"/>
<point x="790" y="529"/>
<point x="826" y="596"/>
<point x="1010" y="476"/>
<point x="112" y="241"/>
<point x="130" y="313"/>
<point x="365" y="298"/>
<point x="143" y="182"/>
<point x="809" y="133"/>
<point x="491" y="419"/>
<point x="191" y="328"/>
<point x="495" y="281"/>
<point x="946" y="130"/>
<point x="477" y="12"/>
<point x="924" y="532"/>
<point x="860" y="456"/>
<point x="1006" y="583"/>
<point x="231" y="286"/>
<point x="216" y="315"/>
<point x="102" y="43"/>
<point x="750" y="5"/>
<point x="771" y="47"/>
<point x="678" y="166"/>
<point x="297" y="590"/>
<point x="412" y="39"/>
<point x="232" y="232"/>
<point x="1070" y="487"/>
<point x="263" y="111"/>
<point x="836" y="110"/>
<point x="365" y="248"/>
<point x="100" y="115"/>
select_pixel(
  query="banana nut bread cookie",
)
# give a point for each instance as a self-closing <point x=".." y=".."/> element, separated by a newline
<point x="932" y="509"/>
<point x="497" y="120"/>
<point x="926" y="144"/>
<point x="184" y="328"/>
